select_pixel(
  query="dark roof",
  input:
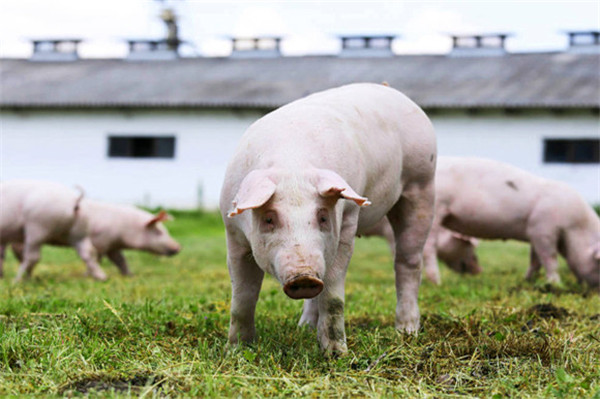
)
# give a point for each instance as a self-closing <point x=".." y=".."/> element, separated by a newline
<point x="538" y="80"/>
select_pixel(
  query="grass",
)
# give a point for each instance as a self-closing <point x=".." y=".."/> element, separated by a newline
<point x="163" y="332"/>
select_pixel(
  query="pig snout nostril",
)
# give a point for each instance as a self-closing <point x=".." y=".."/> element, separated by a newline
<point x="303" y="287"/>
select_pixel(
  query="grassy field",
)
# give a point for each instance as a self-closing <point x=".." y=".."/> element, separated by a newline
<point x="163" y="332"/>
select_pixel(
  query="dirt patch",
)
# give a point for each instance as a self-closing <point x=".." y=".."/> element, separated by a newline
<point x="132" y="384"/>
<point x="570" y="289"/>
<point x="548" y="311"/>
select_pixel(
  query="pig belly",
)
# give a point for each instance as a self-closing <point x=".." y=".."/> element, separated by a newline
<point x="11" y="233"/>
<point x="370" y="217"/>
<point x="487" y="226"/>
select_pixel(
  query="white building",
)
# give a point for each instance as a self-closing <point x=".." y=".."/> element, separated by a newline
<point x="159" y="130"/>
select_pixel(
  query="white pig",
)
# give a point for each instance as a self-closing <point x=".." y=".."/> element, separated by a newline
<point x="454" y="249"/>
<point x="291" y="202"/>
<point x="33" y="213"/>
<point x="489" y="199"/>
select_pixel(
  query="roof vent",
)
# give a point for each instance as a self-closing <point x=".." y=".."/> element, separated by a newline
<point x="256" y="47"/>
<point x="367" y="46"/>
<point x="586" y="42"/>
<point x="478" y="45"/>
<point x="152" y="50"/>
<point x="55" y="50"/>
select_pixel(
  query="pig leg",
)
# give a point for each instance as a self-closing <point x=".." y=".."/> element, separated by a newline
<point x="534" y="265"/>
<point x="2" y="253"/>
<point x="430" y="260"/>
<point x="546" y="249"/>
<point x="88" y="254"/>
<point x="31" y="256"/>
<point x="119" y="260"/>
<point x="388" y="234"/>
<point x="246" y="280"/>
<point x="411" y="218"/>
<point x="330" y="326"/>
<point x="17" y="250"/>
<point x="310" y="313"/>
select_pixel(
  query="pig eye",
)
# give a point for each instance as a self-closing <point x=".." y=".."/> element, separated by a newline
<point x="323" y="219"/>
<point x="269" y="220"/>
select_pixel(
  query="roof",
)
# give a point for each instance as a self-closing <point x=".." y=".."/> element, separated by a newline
<point x="535" y="80"/>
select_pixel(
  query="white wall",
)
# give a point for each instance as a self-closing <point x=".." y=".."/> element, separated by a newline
<point x="519" y="140"/>
<point x="71" y="147"/>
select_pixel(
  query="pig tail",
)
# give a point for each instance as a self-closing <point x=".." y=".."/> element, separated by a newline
<point x="78" y="201"/>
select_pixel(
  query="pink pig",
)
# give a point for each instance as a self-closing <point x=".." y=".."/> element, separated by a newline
<point x="489" y="199"/>
<point x="33" y="213"/>
<point x="454" y="249"/>
<point x="297" y="192"/>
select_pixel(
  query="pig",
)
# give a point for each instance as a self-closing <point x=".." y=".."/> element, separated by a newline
<point x="309" y="176"/>
<point x="33" y="213"/>
<point x="454" y="249"/>
<point x="493" y="200"/>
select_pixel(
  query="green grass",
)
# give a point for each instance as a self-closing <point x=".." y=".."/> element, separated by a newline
<point x="163" y="331"/>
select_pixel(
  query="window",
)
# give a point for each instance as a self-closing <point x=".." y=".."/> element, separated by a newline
<point x="141" y="147"/>
<point x="572" y="151"/>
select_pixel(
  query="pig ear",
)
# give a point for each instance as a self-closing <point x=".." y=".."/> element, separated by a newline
<point x="159" y="217"/>
<point x="333" y="185"/>
<point x="256" y="189"/>
<point x="470" y="240"/>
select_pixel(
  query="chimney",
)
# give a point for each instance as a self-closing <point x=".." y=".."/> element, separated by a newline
<point x="485" y="45"/>
<point x="256" y="47"/>
<point x="367" y="46"/>
<point x="60" y="50"/>
<point x="584" y="42"/>
<point x="152" y="50"/>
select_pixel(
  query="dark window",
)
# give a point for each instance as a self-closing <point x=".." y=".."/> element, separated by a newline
<point x="572" y="151"/>
<point x="141" y="147"/>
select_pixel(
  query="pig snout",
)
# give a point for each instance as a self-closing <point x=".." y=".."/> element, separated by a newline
<point x="173" y="249"/>
<point x="473" y="266"/>
<point x="300" y="272"/>
<point x="303" y="287"/>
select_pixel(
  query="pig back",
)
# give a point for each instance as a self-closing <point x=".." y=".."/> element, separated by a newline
<point x="47" y="206"/>
<point x="373" y="136"/>
<point x="485" y="198"/>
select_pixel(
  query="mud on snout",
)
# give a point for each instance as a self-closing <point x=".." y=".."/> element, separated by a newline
<point x="300" y="271"/>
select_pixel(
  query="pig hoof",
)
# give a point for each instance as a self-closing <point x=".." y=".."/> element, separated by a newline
<point x="100" y="277"/>
<point x="434" y="277"/>
<point x="408" y="326"/>
<point x="334" y="349"/>
<point x="307" y="322"/>
<point x="553" y="279"/>
<point x="303" y="287"/>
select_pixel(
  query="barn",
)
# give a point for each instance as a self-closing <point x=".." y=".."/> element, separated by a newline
<point x="155" y="129"/>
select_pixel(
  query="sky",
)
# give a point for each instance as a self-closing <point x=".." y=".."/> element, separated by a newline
<point x="309" y="27"/>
